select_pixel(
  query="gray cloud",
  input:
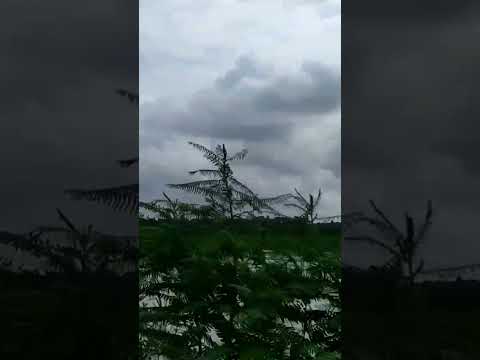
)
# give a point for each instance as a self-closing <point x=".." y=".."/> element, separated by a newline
<point x="409" y="118"/>
<point x="63" y="124"/>
<point x="262" y="113"/>
<point x="319" y="94"/>
<point x="245" y="67"/>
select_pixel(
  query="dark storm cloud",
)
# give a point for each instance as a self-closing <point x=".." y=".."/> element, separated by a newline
<point x="45" y="43"/>
<point x="319" y="94"/>
<point x="409" y="117"/>
<point x="249" y="113"/>
<point x="63" y="125"/>
<point x="247" y="132"/>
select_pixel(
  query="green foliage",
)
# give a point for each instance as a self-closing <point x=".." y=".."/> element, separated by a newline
<point x="175" y="210"/>
<point x="229" y="298"/>
<point x="219" y="282"/>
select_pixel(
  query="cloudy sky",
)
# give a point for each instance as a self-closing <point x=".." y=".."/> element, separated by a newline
<point x="63" y="126"/>
<point x="410" y="119"/>
<point x="264" y="75"/>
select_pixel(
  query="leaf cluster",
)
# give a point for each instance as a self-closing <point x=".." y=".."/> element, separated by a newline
<point x="232" y="300"/>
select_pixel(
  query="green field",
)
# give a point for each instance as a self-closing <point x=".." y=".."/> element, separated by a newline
<point x="300" y="239"/>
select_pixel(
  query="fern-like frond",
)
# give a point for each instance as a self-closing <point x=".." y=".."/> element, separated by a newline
<point x="426" y="224"/>
<point x="385" y="219"/>
<point x="317" y="199"/>
<point x="242" y="186"/>
<point x="239" y="155"/>
<point x="207" y="153"/>
<point x="195" y="186"/>
<point x="299" y="197"/>
<point x="67" y="221"/>
<point x="170" y="201"/>
<point x="379" y="224"/>
<point x="121" y="198"/>
<point x="203" y="187"/>
<point x="277" y="199"/>
<point x="207" y="172"/>
<point x="373" y="241"/>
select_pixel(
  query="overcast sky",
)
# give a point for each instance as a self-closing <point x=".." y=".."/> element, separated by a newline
<point x="410" y="129"/>
<point x="264" y="75"/>
<point x="63" y="126"/>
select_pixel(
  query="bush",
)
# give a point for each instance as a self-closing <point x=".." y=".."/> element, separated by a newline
<point x="223" y="296"/>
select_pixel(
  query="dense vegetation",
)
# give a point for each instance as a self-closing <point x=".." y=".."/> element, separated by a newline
<point x="239" y="291"/>
<point x="219" y="280"/>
